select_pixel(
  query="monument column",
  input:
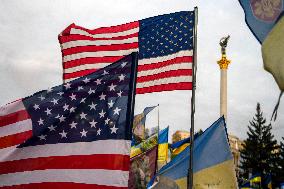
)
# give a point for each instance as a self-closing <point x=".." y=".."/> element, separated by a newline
<point x="223" y="64"/>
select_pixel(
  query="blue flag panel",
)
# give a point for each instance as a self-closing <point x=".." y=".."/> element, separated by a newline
<point x="261" y="16"/>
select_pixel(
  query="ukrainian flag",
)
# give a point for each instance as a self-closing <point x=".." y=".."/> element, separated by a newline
<point x="262" y="20"/>
<point x="267" y="24"/>
<point x="163" y="145"/>
<point x="256" y="178"/>
<point x="272" y="52"/>
<point x="179" y="146"/>
<point x="213" y="165"/>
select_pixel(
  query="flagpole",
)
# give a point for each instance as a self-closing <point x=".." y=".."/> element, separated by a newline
<point x="157" y="161"/>
<point x="131" y="100"/>
<point x="158" y="118"/>
<point x="194" y="69"/>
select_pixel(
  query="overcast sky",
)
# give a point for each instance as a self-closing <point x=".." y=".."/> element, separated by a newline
<point x="30" y="57"/>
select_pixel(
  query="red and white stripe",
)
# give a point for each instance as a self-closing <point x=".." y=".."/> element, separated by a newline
<point x="97" y="164"/>
<point x="85" y="51"/>
<point x="15" y="124"/>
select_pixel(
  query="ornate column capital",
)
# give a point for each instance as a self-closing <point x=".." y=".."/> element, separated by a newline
<point x="224" y="62"/>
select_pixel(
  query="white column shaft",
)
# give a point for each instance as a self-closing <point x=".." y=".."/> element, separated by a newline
<point x="223" y="93"/>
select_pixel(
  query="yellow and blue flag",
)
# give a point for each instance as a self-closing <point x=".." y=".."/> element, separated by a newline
<point x="179" y="146"/>
<point x="261" y="16"/>
<point x="163" y="145"/>
<point x="212" y="164"/>
<point x="255" y="178"/>
<point x="266" y="21"/>
<point x="272" y="53"/>
<point x="253" y="181"/>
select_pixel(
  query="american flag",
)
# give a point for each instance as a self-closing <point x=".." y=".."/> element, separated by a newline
<point x="165" y="45"/>
<point x="75" y="135"/>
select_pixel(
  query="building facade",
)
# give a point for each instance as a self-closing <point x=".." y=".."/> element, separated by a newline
<point x="236" y="145"/>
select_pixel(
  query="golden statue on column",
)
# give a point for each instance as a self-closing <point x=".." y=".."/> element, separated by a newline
<point x="223" y="63"/>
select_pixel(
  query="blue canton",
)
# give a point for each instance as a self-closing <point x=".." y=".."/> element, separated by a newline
<point x="166" y="34"/>
<point x="90" y="108"/>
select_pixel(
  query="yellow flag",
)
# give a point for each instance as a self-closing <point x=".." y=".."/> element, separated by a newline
<point x="272" y="53"/>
